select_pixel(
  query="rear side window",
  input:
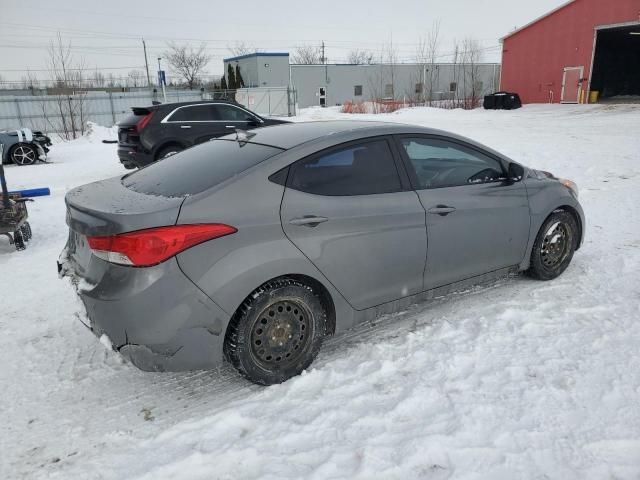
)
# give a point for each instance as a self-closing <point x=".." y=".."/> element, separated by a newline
<point x="361" y="169"/>
<point x="198" y="168"/>
<point x="195" y="113"/>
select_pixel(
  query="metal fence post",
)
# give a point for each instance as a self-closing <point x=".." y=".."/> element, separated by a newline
<point x="113" y="113"/>
<point x="19" y="112"/>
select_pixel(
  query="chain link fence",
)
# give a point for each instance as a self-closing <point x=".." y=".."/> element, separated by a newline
<point x="56" y="113"/>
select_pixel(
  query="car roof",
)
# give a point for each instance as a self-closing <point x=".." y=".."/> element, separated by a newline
<point x="193" y="102"/>
<point x="289" y="135"/>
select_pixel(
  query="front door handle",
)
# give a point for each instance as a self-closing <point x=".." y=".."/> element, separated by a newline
<point x="230" y="126"/>
<point x="442" y="210"/>
<point x="185" y="126"/>
<point x="308" y="221"/>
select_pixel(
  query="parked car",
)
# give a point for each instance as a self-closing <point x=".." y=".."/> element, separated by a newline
<point x="256" y="247"/>
<point x="159" y="131"/>
<point x="24" y="147"/>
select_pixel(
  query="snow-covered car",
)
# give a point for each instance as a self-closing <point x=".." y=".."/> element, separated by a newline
<point x="24" y="147"/>
<point x="298" y="231"/>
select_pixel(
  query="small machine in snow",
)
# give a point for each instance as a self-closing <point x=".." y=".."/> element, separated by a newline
<point x="13" y="214"/>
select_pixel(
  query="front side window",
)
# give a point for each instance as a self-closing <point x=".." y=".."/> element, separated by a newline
<point x="439" y="163"/>
<point x="361" y="169"/>
<point x="194" y="113"/>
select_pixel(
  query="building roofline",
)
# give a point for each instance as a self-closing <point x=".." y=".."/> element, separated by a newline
<point x="256" y="54"/>
<point x="533" y="22"/>
<point x="410" y="64"/>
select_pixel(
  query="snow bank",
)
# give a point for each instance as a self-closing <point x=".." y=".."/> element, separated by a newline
<point x="517" y="380"/>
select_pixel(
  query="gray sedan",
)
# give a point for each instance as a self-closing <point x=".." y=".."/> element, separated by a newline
<point x="255" y="246"/>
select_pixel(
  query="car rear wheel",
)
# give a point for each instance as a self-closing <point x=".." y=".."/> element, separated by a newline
<point x="168" y="151"/>
<point x="23" y="154"/>
<point x="554" y="246"/>
<point x="277" y="332"/>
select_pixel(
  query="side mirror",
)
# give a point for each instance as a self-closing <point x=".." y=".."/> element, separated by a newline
<point x="515" y="172"/>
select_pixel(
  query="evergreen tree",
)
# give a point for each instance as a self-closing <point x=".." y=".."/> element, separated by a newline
<point x="223" y="83"/>
<point x="239" y="80"/>
<point x="232" y="78"/>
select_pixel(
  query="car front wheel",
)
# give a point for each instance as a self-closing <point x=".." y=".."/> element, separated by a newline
<point x="554" y="246"/>
<point x="277" y="332"/>
<point x="24" y="155"/>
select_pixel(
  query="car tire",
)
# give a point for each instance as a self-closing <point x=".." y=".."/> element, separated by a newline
<point x="168" y="151"/>
<point x="277" y="332"/>
<point x="23" y="154"/>
<point x="129" y="165"/>
<point x="554" y="247"/>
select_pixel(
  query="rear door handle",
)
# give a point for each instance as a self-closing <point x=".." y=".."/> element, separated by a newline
<point x="442" y="210"/>
<point x="308" y="221"/>
<point x="185" y="126"/>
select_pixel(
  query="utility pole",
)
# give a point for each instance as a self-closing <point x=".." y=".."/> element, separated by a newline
<point x="146" y="63"/>
<point x="322" y="59"/>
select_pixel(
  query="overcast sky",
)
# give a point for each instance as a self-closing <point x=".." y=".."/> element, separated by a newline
<point x="107" y="35"/>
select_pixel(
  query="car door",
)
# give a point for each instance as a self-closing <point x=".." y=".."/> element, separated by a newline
<point x="195" y="124"/>
<point x="233" y="117"/>
<point x="477" y="221"/>
<point x="349" y="213"/>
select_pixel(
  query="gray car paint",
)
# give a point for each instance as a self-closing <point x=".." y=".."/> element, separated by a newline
<point x="215" y="277"/>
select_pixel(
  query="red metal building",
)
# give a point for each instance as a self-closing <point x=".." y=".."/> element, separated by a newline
<point x="582" y="46"/>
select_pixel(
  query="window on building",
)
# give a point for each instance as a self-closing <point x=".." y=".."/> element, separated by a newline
<point x="453" y="86"/>
<point x="362" y="169"/>
<point x="418" y="87"/>
<point x="357" y="91"/>
<point x="388" y="90"/>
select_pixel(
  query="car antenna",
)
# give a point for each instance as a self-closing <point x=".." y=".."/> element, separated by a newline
<point x="242" y="136"/>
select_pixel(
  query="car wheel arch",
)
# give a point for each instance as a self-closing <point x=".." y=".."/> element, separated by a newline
<point x="163" y="146"/>
<point x="316" y="285"/>
<point x="573" y="212"/>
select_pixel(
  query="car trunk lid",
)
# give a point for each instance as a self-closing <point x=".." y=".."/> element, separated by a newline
<point x="108" y="208"/>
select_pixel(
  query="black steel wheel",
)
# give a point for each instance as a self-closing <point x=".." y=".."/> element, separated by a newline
<point x="554" y="246"/>
<point x="26" y="231"/>
<point x="18" y="240"/>
<point x="277" y="332"/>
<point x="23" y="154"/>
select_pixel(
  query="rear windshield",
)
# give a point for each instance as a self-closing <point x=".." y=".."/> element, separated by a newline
<point x="198" y="168"/>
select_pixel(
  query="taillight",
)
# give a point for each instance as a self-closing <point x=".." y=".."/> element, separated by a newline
<point x="152" y="246"/>
<point x="144" y="121"/>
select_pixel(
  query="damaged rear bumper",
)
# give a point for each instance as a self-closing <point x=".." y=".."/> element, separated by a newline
<point x="155" y="317"/>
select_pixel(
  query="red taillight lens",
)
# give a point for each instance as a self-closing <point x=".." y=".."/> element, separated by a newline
<point x="143" y="122"/>
<point x="145" y="248"/>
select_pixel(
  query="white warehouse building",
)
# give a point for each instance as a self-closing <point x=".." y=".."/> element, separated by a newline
<point x="335" y="84"/>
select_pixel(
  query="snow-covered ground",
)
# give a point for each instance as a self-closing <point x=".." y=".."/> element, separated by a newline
<point x="516" y="380"/>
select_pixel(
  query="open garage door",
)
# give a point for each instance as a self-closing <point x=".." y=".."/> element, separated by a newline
<point x="616" y="64"/>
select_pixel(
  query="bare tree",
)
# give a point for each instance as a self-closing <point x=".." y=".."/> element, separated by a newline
<point x="98" y="79"/>
<point x="471" y="57"/>
<point x="187" y="62"/>
<point x="360" y="57"/>
<point x="69" y="97"/>
<point x="306" y="55"/>
<point x="242" y="48"/>
<point x="390" y="58"/>
<point x="30" y="82"/>
<point x="135" y="78"/>
<point x="427" y="56"/>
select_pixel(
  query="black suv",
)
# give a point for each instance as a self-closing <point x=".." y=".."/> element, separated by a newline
<point x="156" y="132"/>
